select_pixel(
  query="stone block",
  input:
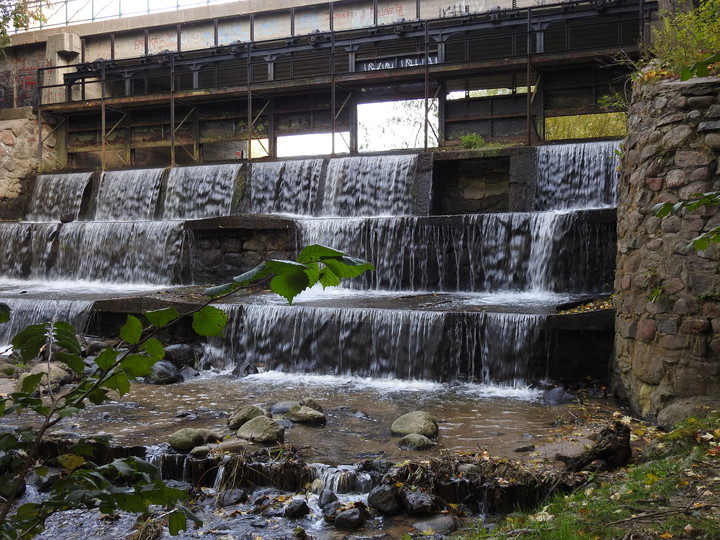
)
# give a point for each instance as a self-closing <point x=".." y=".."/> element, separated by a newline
<point x="676" y="178"/>
<point x="646" y="330"/>
<point x="686" y="306"/>
<point x="673" y="343"/>
<point x="704" y="127"/>
<point x="692" y="158"/>
<point x="688" y="192"/>
<point x="688" y="382"/>
<point x="694" y="326"/>
<point x="701" y="102"/>
<point x="65" y="44"/>
<point x="677" y="136"/>
<point x="667" y="325"/>
<point x="712" y="140"/>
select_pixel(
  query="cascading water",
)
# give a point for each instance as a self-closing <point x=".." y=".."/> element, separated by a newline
<point x="369" y="186"/>
<point x="57" y="197"/>
<point x="200" y="192"/>
<point x="285" y="187"/>
<point x="128" y="195"/>
<point x="27" y="311"/>
<point x="576" y="176"/>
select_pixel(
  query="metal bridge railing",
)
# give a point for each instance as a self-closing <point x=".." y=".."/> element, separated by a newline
<point x="66" y="12"/>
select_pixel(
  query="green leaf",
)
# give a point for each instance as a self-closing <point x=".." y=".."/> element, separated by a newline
<point x="348" y="267"/>
<point x="131" y="331"/>
<point x="314" y="252"/>
<point x="31" y="382"/>
<point x="4" y="313"/>
<point x="29" y="341"/>
<point x="106" y="359"/>
<point x="72" y="360"/>
<point x="259" y="272"/>
<point x="176" y="522"/>
<point x="65" y="412"/>
<point x="209" y="321"/>
<point x="220" y="290"/>
<point x="154" y="349"/>
<point x="66" y="337"/>
<point x="98" y="396"/>
<point x="137" y="365"/>
<point x="120" y="382"/>
<point x="328" y="278"/>
<point x="161" y="317"/>
<point x="290" y="284"/>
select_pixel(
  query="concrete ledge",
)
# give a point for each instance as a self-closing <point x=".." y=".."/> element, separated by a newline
<point x="20" y="113"/>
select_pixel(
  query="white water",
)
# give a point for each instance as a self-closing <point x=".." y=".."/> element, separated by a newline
<point x="577" y="176"/>
<point x="369" y="186"/>
<point x="128" y="195"/>
<point x="203" y="191"/>
<point x="57" y="196"/>
<point x="27" y="311"/>
<point x="285" y="187"/>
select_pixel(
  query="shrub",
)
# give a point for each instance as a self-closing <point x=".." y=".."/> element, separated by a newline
<point x="472" y="141"/>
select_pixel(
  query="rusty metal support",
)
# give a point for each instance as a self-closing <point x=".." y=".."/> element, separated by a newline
<point x="172" y="111"/>
<point x="528" y="72"/>
<point x="102" y="117"/>
<point x="426" y="88"/>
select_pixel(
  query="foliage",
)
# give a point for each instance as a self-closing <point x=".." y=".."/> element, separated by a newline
<point x="397" y="125"/>
<point x="18" y="14"/>
<point x="689" y="37"/>
<point x="671" y="496"/>
<point x="129" y="484"/>
<point x="472" y="141"/>
<point x="610" y="124"/>
<point x="711" y="198"/>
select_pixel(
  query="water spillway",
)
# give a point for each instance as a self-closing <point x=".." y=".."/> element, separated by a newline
<point x="454" y="297"/>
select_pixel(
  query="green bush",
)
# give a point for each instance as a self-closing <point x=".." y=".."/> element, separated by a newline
<point x="472" y="141"/>
<point x="687" y="36"/>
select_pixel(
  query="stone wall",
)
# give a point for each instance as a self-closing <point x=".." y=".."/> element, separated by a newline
<point x="668" y="296"/>
<point x="19" y="157"/>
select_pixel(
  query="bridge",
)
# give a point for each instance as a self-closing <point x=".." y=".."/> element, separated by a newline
<point x="200" y="84"/>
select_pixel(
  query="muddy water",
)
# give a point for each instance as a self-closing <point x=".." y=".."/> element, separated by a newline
<point x="359" y="413"/>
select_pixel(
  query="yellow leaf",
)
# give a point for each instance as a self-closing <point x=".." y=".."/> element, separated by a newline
<point x="651" y="478"/>
<point x="666" y="535"/>
<point x="70" y="462"/>
<point x="428" y="532"/>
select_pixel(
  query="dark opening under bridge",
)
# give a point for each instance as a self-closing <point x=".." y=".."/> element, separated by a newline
<point x="181" y="90"/>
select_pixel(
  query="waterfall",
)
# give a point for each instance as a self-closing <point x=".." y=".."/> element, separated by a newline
<point x="576" y="175"/>
<point x="26" y="248"/>
<point x="369" y="185"/>
<point x="57" y="196"/>
<point x="27" y="311"/>
<point x="480" y="252"/>
<point x="141" y="252"/>
<point x="203" y="191"/>
<point x="285" y="187"/>
<point x="368" y="342"/>
<point x="128" y="195"/>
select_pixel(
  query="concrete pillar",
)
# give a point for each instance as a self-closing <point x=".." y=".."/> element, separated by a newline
<point x="61" y="50"/>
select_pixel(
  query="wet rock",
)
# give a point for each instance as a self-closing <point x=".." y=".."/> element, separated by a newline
<point x="415" y="422"/>
<point x="558" y="396"/>
<point x="296" y="509"/>
<point x="439" y="524"/>
<point x="95" y="347"/>
<point x="243" y="415"/>
<point x="350" y="519"/>
<point x="8" y="370"/>
<point x="416" y="502"/>
<point x="326" y="497"/>
<point x="54" y="372"/>
<point x="311" y="403"/>
<point x="229" y="497"/>
<point x="188" y="373"/>
<point x="283" y="406"/>
<point x="384" y="499"/>
<point x="527" y="448"/>
<point x="185" y="439"/>
<point x="415" y="441"/>
<point x="46" y="481"/>
<point x="164" y="372"/>
<point x="469" y="468"/>
<point x="262" y="429"/>
<point x="182" y="355"/>
<point x="305" y="415"/>
<point x="245" y="369"/>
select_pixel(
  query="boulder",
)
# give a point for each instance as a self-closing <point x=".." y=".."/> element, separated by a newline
<point x="326" y="497"/>
<point x="384" y="499"/>
<point x="416" y="502"/>
<point x="185" y="439"/>
<point x="53" y="371"/>
<point x="244" y="414"/>
<point x="229" y="497"/>
<point x="164" y="372"/>
<point x="305" y="415"/>
<point x="415" y="422"/>
<point x="415" y="441"/>
<point x="310" y="402"/>
<point x="283" y="406"/>
<point x="8" y="370"/>
<point x="440" y="524"/>
<point x="296" y="509"/>
<point x="558" y="396"/>
<point x="350" y="519"/>
<point x="182" y="355"/>
<point x="262" y="429"/>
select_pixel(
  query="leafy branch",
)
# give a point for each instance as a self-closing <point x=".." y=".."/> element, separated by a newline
<point x="711" y="198"/>
<point x="129" y="484"/>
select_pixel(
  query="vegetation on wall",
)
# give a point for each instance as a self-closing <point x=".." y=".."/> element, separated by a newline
<point x="17" y="14"/>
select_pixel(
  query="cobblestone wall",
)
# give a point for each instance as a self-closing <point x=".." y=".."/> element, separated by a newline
<point x="668" y="296"/>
